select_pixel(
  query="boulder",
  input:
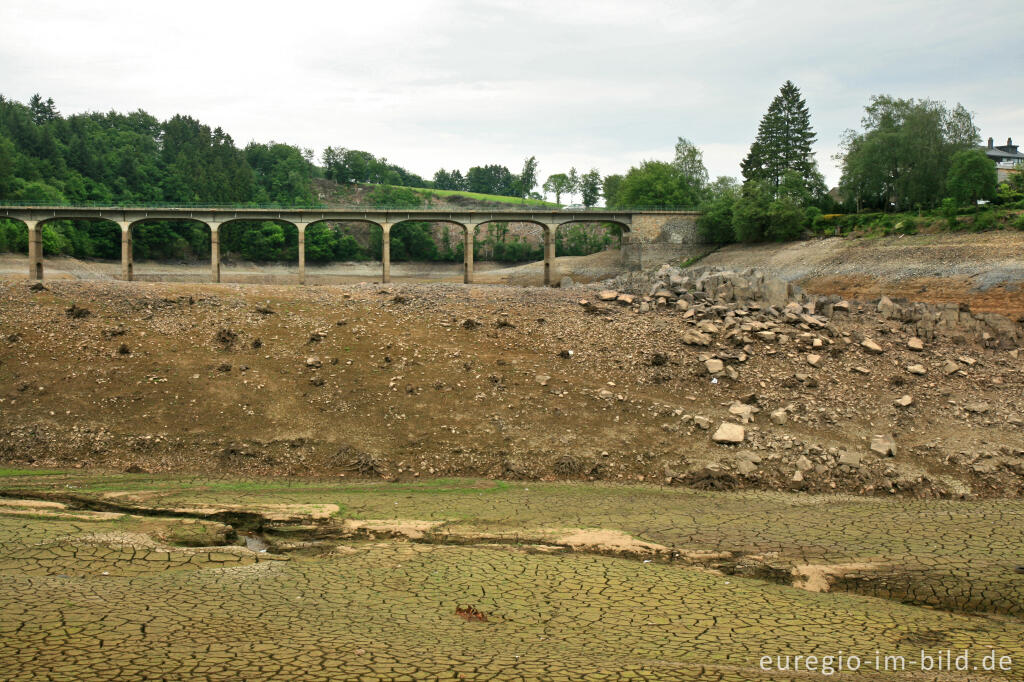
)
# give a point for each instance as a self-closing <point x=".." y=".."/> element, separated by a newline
<point x="883" y="444"/>
<point x="776" y="292"/>
<point x="915" y="344"/>
<point x="607" y="295"/>
<point x="729" y="432"/>
<point x="714" y="365"/>
<point x="695" y="338"/>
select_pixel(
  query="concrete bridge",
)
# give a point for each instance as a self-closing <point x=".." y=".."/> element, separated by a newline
<point x="639" y="227"/>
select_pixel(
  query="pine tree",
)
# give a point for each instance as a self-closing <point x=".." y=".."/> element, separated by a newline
<point x="783" y="143"/>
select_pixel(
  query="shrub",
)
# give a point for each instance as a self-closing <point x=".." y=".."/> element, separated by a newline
<point x="715" y="224"/>
<point x="949" y="211"/>
<point x="984" y="221"/>
<point x="1018" y="222"/>
<point x="785" y="220"/>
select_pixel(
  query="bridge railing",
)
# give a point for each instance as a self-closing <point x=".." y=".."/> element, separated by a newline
<point x="450" y="208"/>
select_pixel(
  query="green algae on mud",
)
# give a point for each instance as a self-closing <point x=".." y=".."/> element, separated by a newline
<point x="371" y="590"/>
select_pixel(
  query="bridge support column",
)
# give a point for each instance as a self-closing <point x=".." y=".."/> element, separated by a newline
<point x="467" y="261"/>
<point x="385" y="256"/>
<point x="302" y="251"/>
<point x="214" y="253"/>
<point x="549" y="253"/>
<point x="127" y="264"/>
<point x="35" y="249"/>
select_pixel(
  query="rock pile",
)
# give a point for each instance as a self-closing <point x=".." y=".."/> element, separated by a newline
<point x="682" y="289"/>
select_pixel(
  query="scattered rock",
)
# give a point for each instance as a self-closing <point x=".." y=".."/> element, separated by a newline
<point x="884" y="444"/>
<point x="852" y="459"/>
<point x="607" y="295"/>
<point x="693" y="337"/>
<point x="917" y="369"/>
<point x="915" y="344"/>
<point x="904" y="401"/>
<point x="729" y="432"/>
<point x="813" y="360"/>
<point x="314" y="362"/>
<point x="778" y="417"/>
<point x="746" y="467"/>
<point x="714" y="365"/>
<point x="871" y="347"/>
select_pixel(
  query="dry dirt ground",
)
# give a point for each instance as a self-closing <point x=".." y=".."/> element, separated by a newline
<point x="408" y="381"/>
<point x="985" y="270"/>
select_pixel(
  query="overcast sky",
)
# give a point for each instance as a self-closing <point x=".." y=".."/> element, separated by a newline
<point x="449" y="83"/>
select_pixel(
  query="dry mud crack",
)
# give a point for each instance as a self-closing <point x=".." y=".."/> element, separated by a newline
<point x="574" y="580"/>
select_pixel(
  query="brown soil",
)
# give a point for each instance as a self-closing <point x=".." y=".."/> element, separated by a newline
<point x="409" y="382"/>
<point x="1006" y="299"/>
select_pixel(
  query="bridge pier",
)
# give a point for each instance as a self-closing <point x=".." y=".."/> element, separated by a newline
<point x="467" y="261"/>
<point x="385" y="256"/>
<point x="214" y="253"/>
<point x="549" y="253"/>
<point x="302" y="251"/>
<point x="35" y="249"/>
<point x="127" y="264"/>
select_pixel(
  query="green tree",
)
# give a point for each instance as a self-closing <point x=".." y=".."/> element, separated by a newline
<point x="527" y="179"/>
<point x="610" y="188"/>
<point x="972" y="177"/>
<point x="558" y="184"/>
<point x="750" y="211"/>
<point x="901" y="158"/>
<point x="492" y="179"/>
<point x="573" y="180"/>
<point x="657" y="184"/>
<point x="282" y="171"/>
<point x="785" y="220"/>
<point x="690" y="161"/>
<point x="590" y="187"/>
<point x="784" y="143"/>
<point x="714" y="226"/>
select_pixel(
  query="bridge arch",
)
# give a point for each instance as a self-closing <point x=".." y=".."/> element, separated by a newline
<point x="80" y="241"/>
<point x="468" y="235"/>
<point x="198" y="243"/>
<point x="310" y="238"/>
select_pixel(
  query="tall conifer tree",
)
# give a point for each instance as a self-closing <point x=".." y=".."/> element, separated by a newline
<point x="783" y="143"/>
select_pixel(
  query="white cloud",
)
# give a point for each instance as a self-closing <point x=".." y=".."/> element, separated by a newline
<point x="456" y="83"/>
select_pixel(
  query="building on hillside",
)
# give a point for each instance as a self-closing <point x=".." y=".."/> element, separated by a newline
<point x="1006" y="158"/>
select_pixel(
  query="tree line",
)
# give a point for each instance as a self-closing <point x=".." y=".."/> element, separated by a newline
<point x="908" y="155"/>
